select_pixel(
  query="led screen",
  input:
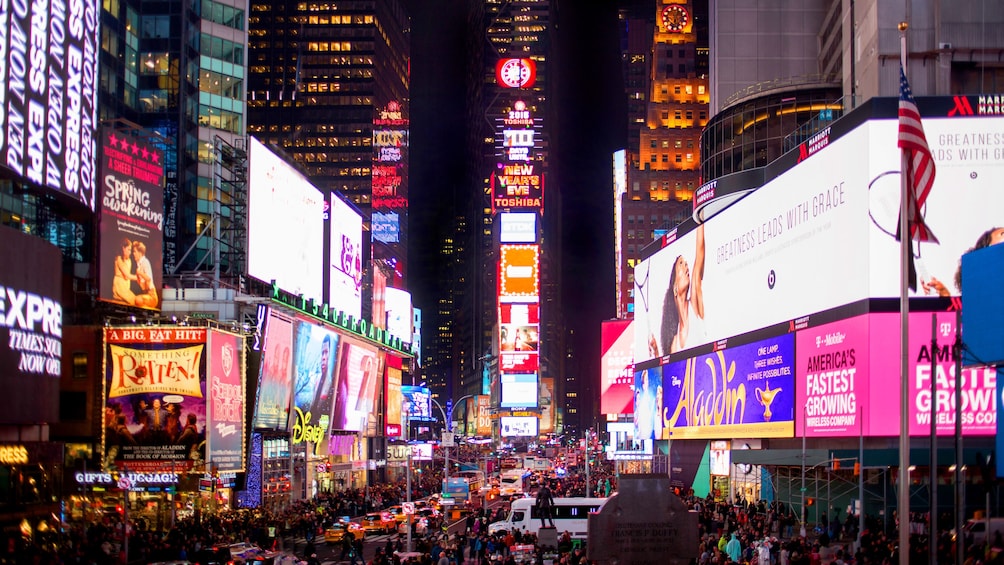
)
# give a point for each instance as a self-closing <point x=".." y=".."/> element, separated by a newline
<point x="314" y="356"/>
<point x="346" y="271"/>
<point x="518" y="426"/>
<point x="155" y="399"/>
<point x="519" y="279"/>
<point x="519" y="391"/>
<point x="275" y="385"/>
<point x="131" y="264"/>
<point x="49" y="71"/>
<point x="393" y="398"/>
<point x="386" y="227"/>
<point x="358" y="383"/>
<point x="647" y="390"/>
<point x="517" y="227"/>
<point x="484" y="422"/>
<point x="421" y="451"/>
<point x="840" y="392"/>
<point x="417" y="403"/>
<point x="31" y="328"/>
<point x="518" y="186"/>
<point x="720" y="458"/>
<point x="547" y="412"/>
<point x="398" y="308"/>
<point x="617" y="364"/>
<point x="285" y="225"/>
<point x="225" y="404"/>
<point x="757" y="251"/>
<point x="742" y="391"/>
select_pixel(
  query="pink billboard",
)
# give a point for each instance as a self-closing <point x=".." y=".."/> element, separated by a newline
<point x="617" y="367"/>
<point x="225" y="406"/>
<point x="848" y="381"/>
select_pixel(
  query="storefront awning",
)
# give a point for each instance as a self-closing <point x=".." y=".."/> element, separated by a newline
<point x="781" y="457"/>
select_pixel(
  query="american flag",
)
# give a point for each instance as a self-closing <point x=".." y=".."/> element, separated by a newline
<point x="919" y="162"/>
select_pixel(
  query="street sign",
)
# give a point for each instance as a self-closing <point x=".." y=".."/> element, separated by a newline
<point x="408" y="507"/>
<point x="448" y="440"/>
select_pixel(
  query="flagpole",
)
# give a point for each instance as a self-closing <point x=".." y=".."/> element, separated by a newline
<point x="904" y="318"/>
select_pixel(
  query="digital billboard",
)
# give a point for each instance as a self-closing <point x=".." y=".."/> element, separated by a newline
<point x="417" y="403"/>
<point x="285" y="225"/>
<point x="742" y="391"/>
<point x="686" y="294"/>
<point x="358" y="380"/>
<point x="546" y="402"/>
<point x="386" y="227"/>
<point x="518" y="426"/>
<point x="519" y="391"/>
<point x="398" y="310"/>
<point x="841" y="391"/>
<point x="514" y="337"/>
<point x="313" y="384"/>
<point x="515" y="73"/>
<point x="519" y="278"/>
<point x="484" y="422"/>
<point x="131" y="224"/>
<point x="517" y="227"/>
<point x="155" y="399"/>
<point x="345" y="276"/>
<point x="275" y="382"/>
<point x="617" y="367"/>
<point x="225" y="405"/>
<point x="647" y="390"/>
<point x="393" y="398"/>
<point x="49" y="71"/>
<point x="517" y="186"/>
<point x="31" y="328"/>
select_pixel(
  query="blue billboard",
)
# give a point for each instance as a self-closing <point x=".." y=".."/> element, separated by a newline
<point x="417" y="403"/>
<point x="743" y="391"/>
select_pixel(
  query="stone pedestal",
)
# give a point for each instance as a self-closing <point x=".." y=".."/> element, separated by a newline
<point x="547" y="537"/>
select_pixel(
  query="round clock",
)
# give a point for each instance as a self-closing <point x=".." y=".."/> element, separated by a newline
<point x="516" y="73"/>
<point x="675" y="18"/>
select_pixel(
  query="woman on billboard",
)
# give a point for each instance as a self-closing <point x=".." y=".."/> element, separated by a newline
<point x="125" y="270"/>
<point x="992" y="236"/>
<point x="683" y="306"/>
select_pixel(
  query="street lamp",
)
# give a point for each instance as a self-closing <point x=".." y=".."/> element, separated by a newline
<point x="448" y="422"/>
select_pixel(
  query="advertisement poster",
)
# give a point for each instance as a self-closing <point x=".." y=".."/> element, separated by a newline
<point x="155" y="399"/>
<point x="417" y="403"/>
<point x="131" y="264"/>
<point x="617" y="362"/>
<point x="648" y="398"/>
<point x="519" y="391"/>
<point x="518" y="426"/>
<point x="276" y="383"/>
<point x="546" y="405"/>
<point x="393" y="396"/>
<point x="519" y="279"/>
<point x="313" y="385"/>
<point x="31" y="328"/>
<point x="225" y="407"/>
<point x="358" y="378"/>
<point x="979" y="384"/>
<point x="484" y="415"/>
<point x="346" y="271"/>
<point x="743" y="391"/>
<point x="833" y="385"/>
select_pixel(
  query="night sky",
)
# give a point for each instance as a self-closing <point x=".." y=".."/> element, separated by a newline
<point x="591" y="126"/>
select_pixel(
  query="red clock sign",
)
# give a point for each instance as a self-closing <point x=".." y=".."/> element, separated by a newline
<point x="515" y="73"/>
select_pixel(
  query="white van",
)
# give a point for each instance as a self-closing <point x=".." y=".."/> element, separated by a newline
<point x="570" y="515"/>
<point x="978" y="529"/>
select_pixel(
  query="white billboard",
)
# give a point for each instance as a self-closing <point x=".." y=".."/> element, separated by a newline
<point x="519" y="390"/>
<point x="819" y="236"/>
<point x="518" y="227"/>
<point x="345" y="273"/>
<point x="518" y="426"/>
<point x="398" y="309"/>
<point x="285" y="225"/>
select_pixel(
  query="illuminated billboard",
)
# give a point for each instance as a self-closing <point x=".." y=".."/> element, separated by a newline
<point x="386" y="227"/>
<point x="517" y="186"/>
<point x="225" y="405"/>
<point x="820" y="208"/>
<point x="841" y="393"/>
<point x="742" y="391"/>
<point x="398" y="310"/>
<point x="285" y="225"/>
<point x="48" y="80"/>
<point x="547" y="411"/>
<point x="417" y="403"/>
<point x="515" y="73"/>
<point x="393" y="399"/>
<point x="275" y="381"/>
<point x="519" y="390"/>
<point x="345" y="276"/>
<point x="155" y="399"/>
<point x="358" y="383"/>
<point x="518" y="426"/>
<point x="131" y="224"/>
<point x="517" y="227"/>
<point x="313" y="385"/>
<point x="484" y="421"/>
<point x="519" y="278"/>
<point x="617" y="362"/>
<point x="31" y="328"/>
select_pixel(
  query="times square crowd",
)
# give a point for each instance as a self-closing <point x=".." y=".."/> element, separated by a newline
<point x="730" y="532"/>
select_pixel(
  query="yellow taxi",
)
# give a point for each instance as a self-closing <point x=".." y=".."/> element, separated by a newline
<point x="378" y="523"/>
<point x="397" y="511"/>
<point x="337" y="532"/>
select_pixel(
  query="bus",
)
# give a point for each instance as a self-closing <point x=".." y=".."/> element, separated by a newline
<point x="570" y="515"/>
